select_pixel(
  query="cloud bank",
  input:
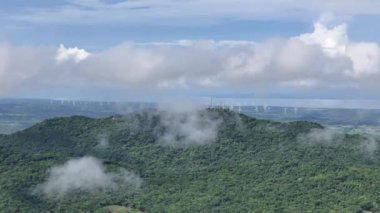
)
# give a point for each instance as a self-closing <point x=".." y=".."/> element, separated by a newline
<point x="323" y="59"/>
<point x="85" y="174"/>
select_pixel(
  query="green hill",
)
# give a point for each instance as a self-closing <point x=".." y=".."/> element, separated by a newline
<point x="251" y="166"/>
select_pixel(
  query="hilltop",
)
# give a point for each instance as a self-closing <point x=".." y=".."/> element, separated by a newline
<point x="248" y="165"/>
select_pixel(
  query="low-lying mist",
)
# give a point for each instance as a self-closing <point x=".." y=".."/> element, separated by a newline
<point x="367" y="139"/>
<point x="86" y="174"/>
<point x="185" y="124"/>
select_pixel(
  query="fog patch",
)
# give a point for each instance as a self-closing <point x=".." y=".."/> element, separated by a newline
<point x="371" y="136"/>
<point x="86" y="174"/>
<point x="274" y="128"/>
<point x="369" y="144"/>
<point x="183" y="124"/>
<point x="367" y="140"/>
<point x="103" y="141"/>
<point x="323" y="136"/>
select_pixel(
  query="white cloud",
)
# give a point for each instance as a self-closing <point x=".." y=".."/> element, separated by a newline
<point x="325" y="58"/>
<point x="22" y="64"/>
<point x="75" y="54"/>
<point x="333" y="41"/>
<point x="365" y="57"/>
<point x="85" y="174"/>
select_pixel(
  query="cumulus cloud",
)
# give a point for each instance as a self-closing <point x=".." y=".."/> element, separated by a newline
<point x="332" y="41"/>
<point x="325" y="58"/>
<point x="185" y="124"/>
<point x="322" y="58"/>
<point x="364" y="56"/>
<point x="86" y="174"/>
<point x="66" y="54"/>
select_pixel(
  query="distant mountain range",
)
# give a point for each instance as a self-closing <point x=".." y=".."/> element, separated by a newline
<point x="18" y="114"/>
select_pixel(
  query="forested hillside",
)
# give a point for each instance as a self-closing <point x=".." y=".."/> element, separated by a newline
<point x="249" y="166"/>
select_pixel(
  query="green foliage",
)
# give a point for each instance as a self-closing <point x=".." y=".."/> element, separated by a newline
<point x="253" y="166"/>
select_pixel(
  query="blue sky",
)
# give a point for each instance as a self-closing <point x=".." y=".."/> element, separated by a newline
<point x="20" y="28"/>
<point x="99" y="29"/>
<point x="103" y="36"/>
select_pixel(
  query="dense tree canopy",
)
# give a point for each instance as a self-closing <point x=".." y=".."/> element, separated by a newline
<point x="252" y="166"/>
